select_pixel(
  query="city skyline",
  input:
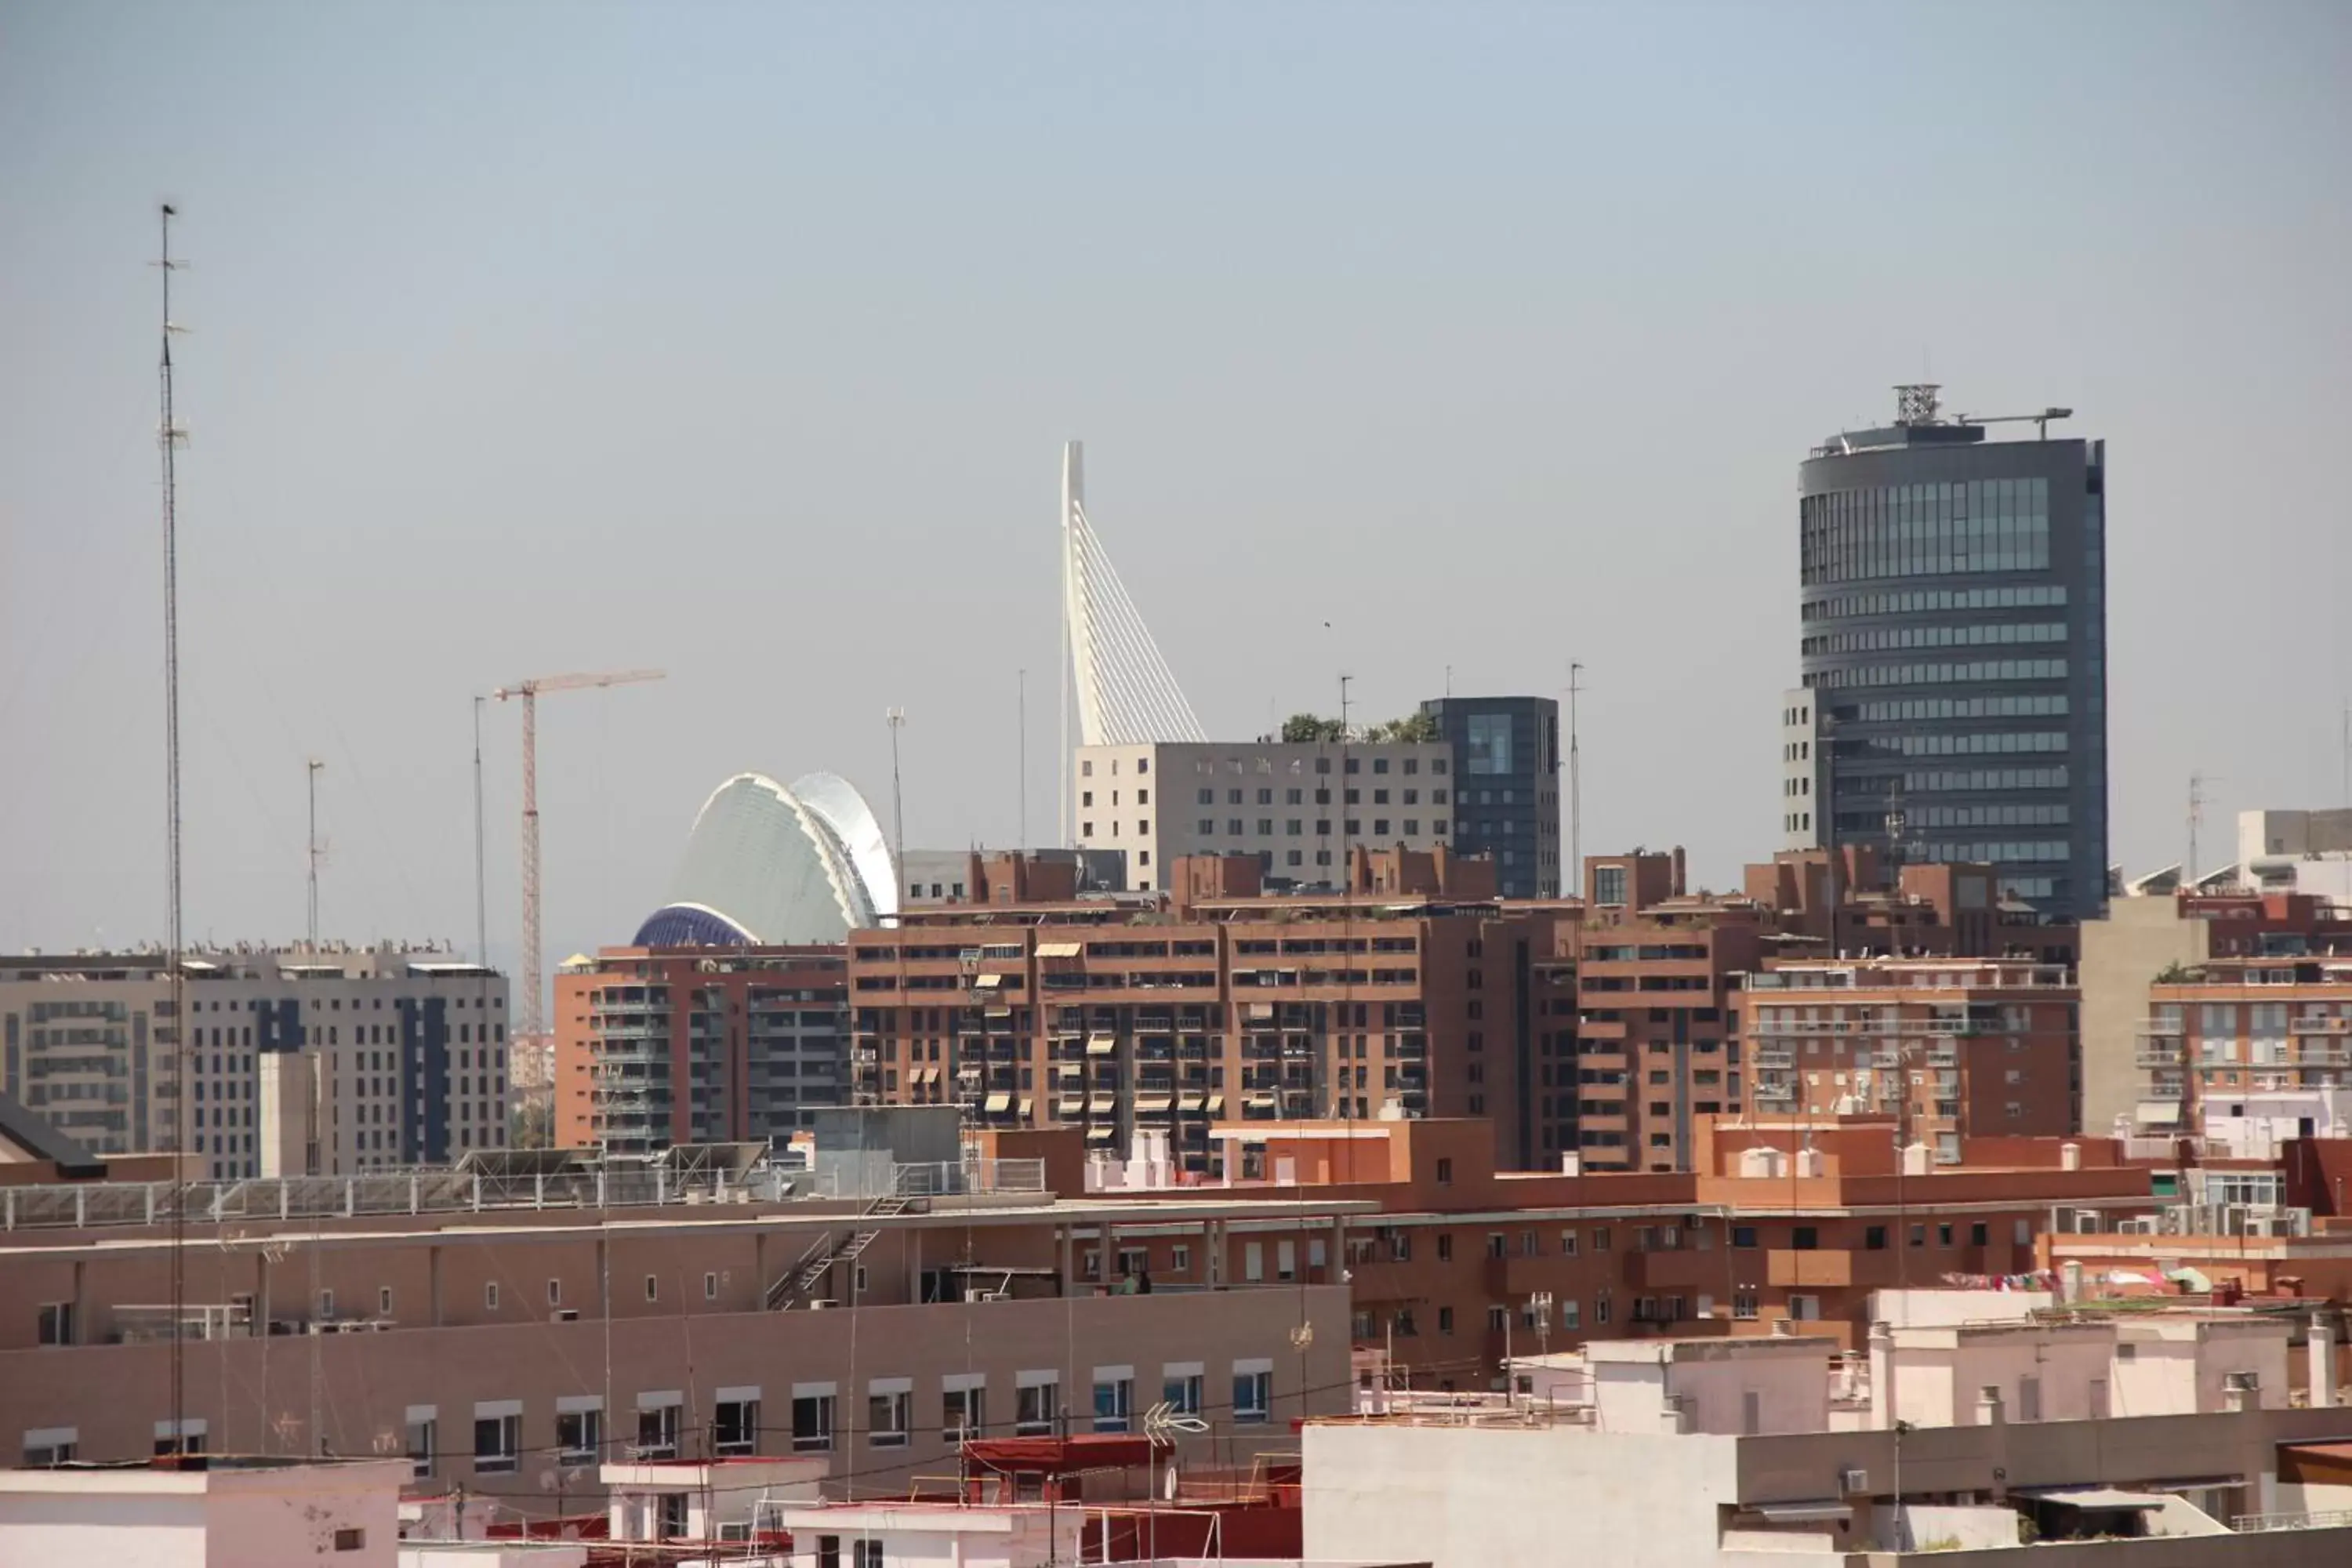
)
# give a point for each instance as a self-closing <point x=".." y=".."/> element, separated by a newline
<point x="419" y="471"/>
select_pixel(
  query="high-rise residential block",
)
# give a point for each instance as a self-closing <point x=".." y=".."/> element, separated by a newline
<point x="1506" y="758"/>
<point x="656" y="1047"/>
<point x="299" y="1060"/>
<point x="1953" y="650"/>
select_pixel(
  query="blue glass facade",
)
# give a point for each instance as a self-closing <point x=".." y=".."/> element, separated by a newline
<point x="1505" y="786"/>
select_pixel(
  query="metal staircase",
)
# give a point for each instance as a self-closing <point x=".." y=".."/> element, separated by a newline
<point x="812" y="1266"/>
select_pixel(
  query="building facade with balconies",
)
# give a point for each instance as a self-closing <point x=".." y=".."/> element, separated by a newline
<point x="1950" y="1048"/>
<point x="2250" y="1050"/>
<point x="663" y="1046"/>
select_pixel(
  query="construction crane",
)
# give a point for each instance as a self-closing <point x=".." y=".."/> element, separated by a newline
<point x="2040" y="422"/>
<point x="533" y="1021"/>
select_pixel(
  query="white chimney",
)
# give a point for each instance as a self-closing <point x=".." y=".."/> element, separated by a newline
<point x="1572" y="1164"/>
<point x="1810" y="1162"/>
<point x="2321" y="1338"/>
<point x="1915" y="1159"/>
<point x="2070" y="1157"/>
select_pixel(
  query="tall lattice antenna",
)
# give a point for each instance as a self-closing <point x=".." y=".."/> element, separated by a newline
<point x="1575" y="783"/>
<point x="169" y="436"/>
<point x="318" y="850"/>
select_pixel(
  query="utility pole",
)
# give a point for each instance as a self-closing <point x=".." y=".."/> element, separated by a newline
<point x="2197" y="798"/>
<point x="1575" y="781"/>
<point x="170" y="435"/>
<point x="897" y="718"/>
<point x="312" y="768"/>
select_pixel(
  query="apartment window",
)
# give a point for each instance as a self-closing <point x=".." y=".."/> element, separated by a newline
<point x="1568" y="1243"/>
<point x="498" y="1437"/>
<point x="1497" y="1318"/>
<point x="653" y="1288"/>
<point x="657" y="1426"/>
<point x="1600" y="1242"/>
<point x="1445" y="1320"/>
<point x="1807" y="1239"/>
<point x="384" y="1302"/>
<point x="963" y="1412"/>
<point x="1253" y="1393"/>
<point x="1980" y="1234"/>
<point x="1874" y="1238"/>
<point x="423" y="1428"/>
<point x="1180" y="1389"/>
<point x="813" y="1418"/>
<point x="1446" y="1246"/>
<point x="1494" y="1244"/>
<point x="579" y="1429"/>
<point x="1743" y="1304"/>
<point x="49" y="1446"/>
<point x="1743" y="1236"/>
<point x="735" y="1427"/>
<point x="710" y="1286"/>
<point x="890" y="1412"/>
<point x="1114" y="1397"/>
<point x="1036" y="1404"/>
<point x="1446" y="1173"/>
<point x="57" y="1323"/>
<point x="865" y="1554"/>
<point x="1609" y="884"/>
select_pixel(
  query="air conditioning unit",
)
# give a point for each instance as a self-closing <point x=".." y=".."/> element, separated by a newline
<point x="1852" y="1482"/>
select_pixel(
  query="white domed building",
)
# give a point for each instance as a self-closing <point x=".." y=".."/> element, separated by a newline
<point x="769" y="864"/>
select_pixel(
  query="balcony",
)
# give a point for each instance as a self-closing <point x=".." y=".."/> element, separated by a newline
<point x="2160" y="1053"/>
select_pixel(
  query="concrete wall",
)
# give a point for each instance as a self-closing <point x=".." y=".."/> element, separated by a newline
<point x="279" y="1517"/>
<point x="2121" y="954"/>
<point x="1467" y="1497"/>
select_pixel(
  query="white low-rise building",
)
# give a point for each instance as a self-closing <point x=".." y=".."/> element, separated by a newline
<point x="253" y="1513"/>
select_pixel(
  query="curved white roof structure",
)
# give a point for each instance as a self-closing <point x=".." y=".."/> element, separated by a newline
<point x="1126" y="693"/>
<point x="769" y="865"/>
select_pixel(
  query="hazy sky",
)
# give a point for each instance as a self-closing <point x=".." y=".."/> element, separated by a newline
<point x="742" y="342"/>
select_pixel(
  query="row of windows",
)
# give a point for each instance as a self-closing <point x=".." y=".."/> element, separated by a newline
<point x="1292" y="828"/>
<point x="1296" y="797"/>
<point x="2045" y="849"/>
<point x="1918" y="816"/>
<point x="1955" y="781"/>
<point x="2000" y="742"/>
<point x="1927" y="530"/>
<point x="2027" y="705"/>
<point x="1875" y="639"/>
<point x="1941" y="674"/>
<point x="1921" y="601"/>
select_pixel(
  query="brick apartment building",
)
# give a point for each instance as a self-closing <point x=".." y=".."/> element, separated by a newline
<point x="2258" y="1043"/>
<point x="1950" y="1048"/>
<point x="1408" y="991"/>
<point x="702" y="1045"/>
<point x="1781" y="1222"/>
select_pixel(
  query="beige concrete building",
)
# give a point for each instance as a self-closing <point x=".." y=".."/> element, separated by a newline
<point x="510" y="1332"/>
<point x="299" y="1061"/>
<point x="1296" y="808"/>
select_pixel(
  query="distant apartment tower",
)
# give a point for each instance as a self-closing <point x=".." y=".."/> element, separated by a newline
<point x="1506" y="786"/>
<point x="1405" y="995"/>
<point x="656" y="1047"/>
<point x="299" y="1061"/>
<point x="1296" y="808"/>
<point x="1950" y="1048"/>
<point x="1953" y="702"/>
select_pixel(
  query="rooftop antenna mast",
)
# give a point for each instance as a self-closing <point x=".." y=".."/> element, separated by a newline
<point x="171" y="435"/>
<point x="897" y="718"/>
<point x="481" y="881"/>
<point x="317" y="850"/>
<point x="1575" y="781"/>
<point x="2197" y="799"/>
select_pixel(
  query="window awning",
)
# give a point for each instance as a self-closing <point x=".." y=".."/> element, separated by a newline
<point x="1101" y="1135"/>
<point x="1057" y="950"/>
<point x="1068" y="1069"/>
<point x="1069" y="1106"/>
<point x="1192" y="1102"/>
<point x="1102" y="1104"/>
<point x="1028" y="1106"/>
<point x="1260" y="1101"/>
<point x="988" y="982"/>
<point x="999" y="1102"/>
<point x="1101" y="1045"/>
<point x="928" y="1075"/>
<point x="1153" y="1102"/>
<point x="1820" y="1510"/>
<point x="1216" y="1105"/>
<point x="2159" y="1113"/>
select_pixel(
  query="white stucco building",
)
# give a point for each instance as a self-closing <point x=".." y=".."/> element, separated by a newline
<point x="253" y="1513"/>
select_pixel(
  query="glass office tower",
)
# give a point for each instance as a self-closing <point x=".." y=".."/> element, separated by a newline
<point x="1953" y="705"/>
